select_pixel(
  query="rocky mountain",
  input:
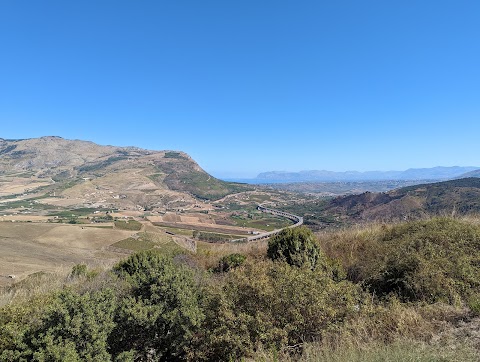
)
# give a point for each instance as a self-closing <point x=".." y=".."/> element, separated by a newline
<point x="460" y="196"/>
<point x="434" y="173"/>
<point x="109" y="175"/>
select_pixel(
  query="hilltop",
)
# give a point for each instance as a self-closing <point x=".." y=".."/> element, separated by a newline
<point x="84" y="173"/>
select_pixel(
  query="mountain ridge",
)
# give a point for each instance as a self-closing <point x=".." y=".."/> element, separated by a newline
<point x="433" y="173"/>
<point x="112" y="176"/>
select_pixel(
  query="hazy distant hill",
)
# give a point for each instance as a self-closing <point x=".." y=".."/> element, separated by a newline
<point x="82" y="169"/>
<point x="460" y="196"/>
<point x="434" y="173"/>
<point x="475" y="173"/>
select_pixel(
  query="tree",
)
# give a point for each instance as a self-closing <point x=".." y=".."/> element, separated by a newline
<point x="296" y="246"/>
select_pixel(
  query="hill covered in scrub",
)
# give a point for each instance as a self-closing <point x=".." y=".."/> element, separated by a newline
<point x="399" y="290"/>
<point x="454" y="197"/>
<point x="115" y="176"/>
<point x="460" y="196"/>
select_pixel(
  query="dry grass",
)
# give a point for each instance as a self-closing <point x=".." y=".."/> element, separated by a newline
<point x="30" y="248"/>
<point x="209" y="254"/>
<point x="394" y="333"/>
<point x="403" y="350"/>
<point x="44" y="283"/>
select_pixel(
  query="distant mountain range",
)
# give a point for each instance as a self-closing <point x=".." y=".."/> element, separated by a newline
<point x="434" y="173"/>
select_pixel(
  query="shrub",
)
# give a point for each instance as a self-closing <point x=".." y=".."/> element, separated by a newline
<point x="473" y="303"/>
<point x="296" y="246"/>
<point x="436" y="260"/>
<point x="271" y="305"/>
<point x="78" y="270"/>
<point x="229" y="262"/>
<point x="160" y="316"/>
<point x="72" y="328"/>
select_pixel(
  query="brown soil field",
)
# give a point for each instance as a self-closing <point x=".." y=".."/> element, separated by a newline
<point x="26" y="248"/>
<point x="36" y="218"/>
<point x="11" y="186"/>
<point x="62" y="202"/>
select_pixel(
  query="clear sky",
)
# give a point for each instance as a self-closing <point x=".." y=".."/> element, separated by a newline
<point x="246" y="86"/>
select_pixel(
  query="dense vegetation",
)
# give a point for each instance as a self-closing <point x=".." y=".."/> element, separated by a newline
<point x="354" y="295"/>
<point x="436" y="260"/>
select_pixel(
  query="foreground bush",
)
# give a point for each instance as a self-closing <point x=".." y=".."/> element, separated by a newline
<point x="72" y="327"/>
<point x="229" y="262"/>
<point x="158" y="318"/>
<point x="295" y="246"/>
<point x="272" y="305"/>
<point x="436" y="260"/>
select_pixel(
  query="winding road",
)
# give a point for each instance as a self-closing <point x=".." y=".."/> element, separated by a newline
<point x="297" y="219"/>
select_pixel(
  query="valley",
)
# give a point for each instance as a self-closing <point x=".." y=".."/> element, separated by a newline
<point x="71" y="212"/>
<point x="66" y="202"/>
<point x="79" y="192"/>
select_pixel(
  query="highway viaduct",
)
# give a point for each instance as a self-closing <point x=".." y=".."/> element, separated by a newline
<point x="295" y="218"/>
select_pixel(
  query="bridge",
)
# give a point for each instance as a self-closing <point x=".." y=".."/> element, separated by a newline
<point x="295" y="218"/>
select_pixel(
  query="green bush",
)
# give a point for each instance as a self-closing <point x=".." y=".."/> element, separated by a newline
<point x="72" y="328"/>
<point x="229" y="262"/>
<point x="159" y="317"/>
<point x="433" y="260"/>
<point x="473" y="303"/>
<point x="296" y="246"/>
<point x="16" y="320"/>
<point x="271" y="305"/>
<point x="78" y="271"/>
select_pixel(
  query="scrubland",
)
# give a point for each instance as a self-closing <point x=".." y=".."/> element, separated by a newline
<point x="381" y="292"/>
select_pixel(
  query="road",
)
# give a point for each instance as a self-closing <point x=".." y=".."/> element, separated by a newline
<point x="297" y="219"/>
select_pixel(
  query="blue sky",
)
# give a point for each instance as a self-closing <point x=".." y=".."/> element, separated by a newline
<point x="249" y="86"/>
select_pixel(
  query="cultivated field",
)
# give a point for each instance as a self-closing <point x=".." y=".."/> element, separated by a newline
<point x="27" y="248"/>
<point x="18" y="185"/>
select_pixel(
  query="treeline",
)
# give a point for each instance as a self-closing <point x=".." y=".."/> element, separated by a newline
<point x="379" y="285"/>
